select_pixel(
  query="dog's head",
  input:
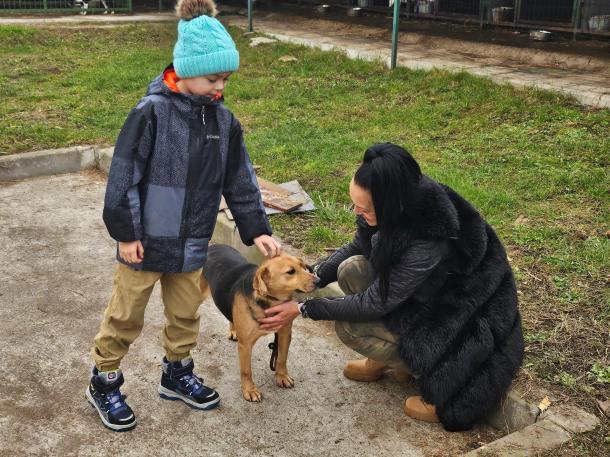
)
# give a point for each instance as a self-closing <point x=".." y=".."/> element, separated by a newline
<point x="283" y="275"/>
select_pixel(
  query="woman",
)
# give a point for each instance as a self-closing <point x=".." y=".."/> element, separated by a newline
<point x="428" y="290"/>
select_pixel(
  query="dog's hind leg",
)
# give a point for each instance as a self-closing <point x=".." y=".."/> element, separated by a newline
<point x="232" y="332"/>
<point x="282" y="378"/>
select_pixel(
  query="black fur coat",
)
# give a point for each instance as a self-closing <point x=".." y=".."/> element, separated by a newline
<point x="459" y="327"/>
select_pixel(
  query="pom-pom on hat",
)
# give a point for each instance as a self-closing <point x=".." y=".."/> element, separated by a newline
<point x="204" y="46"/>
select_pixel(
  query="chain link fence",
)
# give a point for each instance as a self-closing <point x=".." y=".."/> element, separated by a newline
<point x="585" y="16"/>
<point x="578" y="16"/>
<point x="65" y="6"/>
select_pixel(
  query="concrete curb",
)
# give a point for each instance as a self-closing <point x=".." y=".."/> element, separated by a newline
<point x="531" y="440"/>
<point x="48" y="162"/>
<point x="527" y="432"/>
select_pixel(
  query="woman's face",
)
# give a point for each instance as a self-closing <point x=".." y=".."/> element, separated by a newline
<point x="363" y="203"/>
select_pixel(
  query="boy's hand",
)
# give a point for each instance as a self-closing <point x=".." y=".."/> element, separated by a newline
<point x="131" y="252"/>
<point x="268" y="246"/>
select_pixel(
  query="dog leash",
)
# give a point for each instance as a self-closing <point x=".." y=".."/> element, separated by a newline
<point x="274" y="348"/>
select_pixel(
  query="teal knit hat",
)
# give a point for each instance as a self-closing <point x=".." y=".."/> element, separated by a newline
<point x="204" y="46"/>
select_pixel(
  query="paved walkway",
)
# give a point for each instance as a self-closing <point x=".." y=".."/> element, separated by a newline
<point x="589" y="88"/>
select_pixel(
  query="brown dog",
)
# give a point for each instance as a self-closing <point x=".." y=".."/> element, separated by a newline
<point x="242" y="291"/>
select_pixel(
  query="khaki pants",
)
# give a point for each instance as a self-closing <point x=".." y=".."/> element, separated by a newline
<point x="371" y="339"/>
<point x="124" y="316"/>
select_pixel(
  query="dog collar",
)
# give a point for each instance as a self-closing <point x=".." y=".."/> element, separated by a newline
<point x="266" y="302"/>
<point x="262" y="303"/>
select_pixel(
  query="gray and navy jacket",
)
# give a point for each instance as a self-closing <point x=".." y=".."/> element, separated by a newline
<point x="174" y="158"/>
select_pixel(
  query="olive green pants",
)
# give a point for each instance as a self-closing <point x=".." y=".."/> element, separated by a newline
<point x="371" y="339"/>
<point x="124" y="316"/>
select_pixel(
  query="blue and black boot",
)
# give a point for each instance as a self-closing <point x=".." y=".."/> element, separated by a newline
<point x="104" y="395"/>
<point x="178" y="382"/>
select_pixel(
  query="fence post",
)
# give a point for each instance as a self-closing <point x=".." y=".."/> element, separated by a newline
<point x="249" y="15"/>
<point x="395" y="33"/>
<point x="160" y="5"/>
<point x="517" y="12"/>
<point x="44" y="3"/>
<point x="481" y="13"/>
<point x="576" y="12"/>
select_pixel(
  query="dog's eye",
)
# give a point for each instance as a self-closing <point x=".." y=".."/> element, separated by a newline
<point x="291" y="271"/>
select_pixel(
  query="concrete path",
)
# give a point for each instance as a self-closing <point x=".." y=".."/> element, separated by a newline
<point x="590" y="88"/>
<point x="56" y="267"/>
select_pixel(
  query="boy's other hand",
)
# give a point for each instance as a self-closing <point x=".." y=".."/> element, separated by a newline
<point x="279" y="315"/>
<point x="131" y="252"/>
<point x="268" y="246"/>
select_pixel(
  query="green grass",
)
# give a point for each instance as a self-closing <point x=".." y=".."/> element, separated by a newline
<point x="535" y="163"/>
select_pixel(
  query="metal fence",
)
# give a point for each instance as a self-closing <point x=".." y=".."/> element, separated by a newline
<point x="578" y="16"/>
<point x="547" y="11"/>
<point x="465" y="7"/>
<point x="584" y="16"/>
<point x="65" y="6"/>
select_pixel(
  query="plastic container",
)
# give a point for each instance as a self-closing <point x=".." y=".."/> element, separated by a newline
<point x="425" y="7"/>
<point x="502" y="14"/>
<point x="600" y="23"/>
<point x="540" y="35"/>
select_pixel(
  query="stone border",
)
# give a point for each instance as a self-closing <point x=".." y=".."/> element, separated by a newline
<point x="528" y="432"/>
<point x="49" y="162"/>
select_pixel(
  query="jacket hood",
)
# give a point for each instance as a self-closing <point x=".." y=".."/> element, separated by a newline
<point x="158" y="87"/>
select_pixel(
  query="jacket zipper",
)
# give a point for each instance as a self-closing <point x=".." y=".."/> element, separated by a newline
<point x="203" y="114"/>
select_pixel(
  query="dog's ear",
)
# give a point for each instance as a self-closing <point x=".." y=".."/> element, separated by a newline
<point x="259" y="284"/>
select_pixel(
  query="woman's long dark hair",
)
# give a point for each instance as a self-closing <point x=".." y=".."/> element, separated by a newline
<point x="393" y="177"/>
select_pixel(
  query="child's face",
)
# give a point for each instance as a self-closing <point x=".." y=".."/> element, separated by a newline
<point x="208" y="85"/>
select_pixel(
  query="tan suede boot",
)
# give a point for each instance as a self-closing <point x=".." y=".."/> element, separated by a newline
<point x="417" y="408"/>
<point x="365" y="370"/>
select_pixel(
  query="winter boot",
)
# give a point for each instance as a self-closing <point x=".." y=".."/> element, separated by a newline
<point x="178" y="382"/>
<point x="104" y="395"/>
<point x="417" y="408"/>
<point x="365" y="370"/>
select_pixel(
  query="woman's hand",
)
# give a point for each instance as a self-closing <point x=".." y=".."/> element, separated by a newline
<point x="268" y="246"/>
<point x="279" y="316"/>
<point x="131" y="252"/>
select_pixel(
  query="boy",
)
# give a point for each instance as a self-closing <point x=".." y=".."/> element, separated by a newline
<point x="179" y="150"/>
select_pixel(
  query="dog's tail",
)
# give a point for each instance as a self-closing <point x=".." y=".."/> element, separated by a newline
<point x="204" y="287"/>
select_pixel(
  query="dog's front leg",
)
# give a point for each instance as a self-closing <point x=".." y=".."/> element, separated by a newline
<point x="249" y="390"/>
<point x="282" y="378"/>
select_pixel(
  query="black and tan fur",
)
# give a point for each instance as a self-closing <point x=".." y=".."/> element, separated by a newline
<point x="241" y="291"/>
